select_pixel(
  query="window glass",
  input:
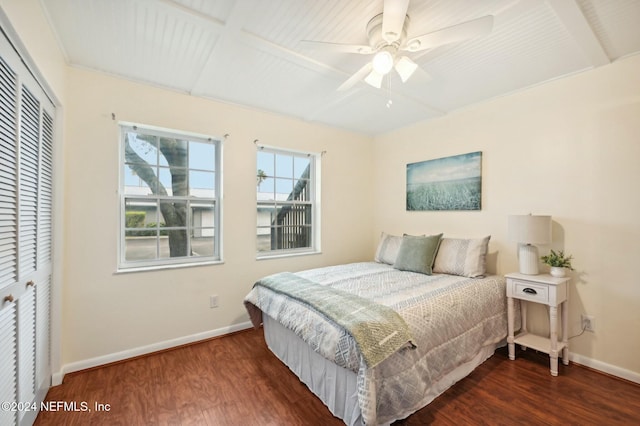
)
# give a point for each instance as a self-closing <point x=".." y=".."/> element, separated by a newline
<point x="169" y="190"/>
<point x="285" y="202"/>
<point x="202" y="156"/>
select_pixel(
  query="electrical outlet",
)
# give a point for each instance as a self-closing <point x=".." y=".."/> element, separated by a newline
<point x="588" y="323"/>
<point x="213" y="301"/>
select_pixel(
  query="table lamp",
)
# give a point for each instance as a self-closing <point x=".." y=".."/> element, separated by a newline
<point x="528" y="230"/>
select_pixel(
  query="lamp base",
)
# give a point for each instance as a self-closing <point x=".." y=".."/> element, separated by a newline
<point x="528" y="258"/>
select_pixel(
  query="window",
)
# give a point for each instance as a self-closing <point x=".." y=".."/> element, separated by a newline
<point x="287" y="214"/>
<point x="170" y="198"/>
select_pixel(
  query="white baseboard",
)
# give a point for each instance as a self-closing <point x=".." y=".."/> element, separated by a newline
<point x="167" y="344"/>
<point x="57" y="377"/>
<point x="605" y="368"/>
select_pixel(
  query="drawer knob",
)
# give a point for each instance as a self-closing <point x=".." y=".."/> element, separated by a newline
<point x="529" y="291"/>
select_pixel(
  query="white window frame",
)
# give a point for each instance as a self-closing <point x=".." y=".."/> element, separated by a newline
<point x="314" y="195"/>
<point x="164" y="263"/>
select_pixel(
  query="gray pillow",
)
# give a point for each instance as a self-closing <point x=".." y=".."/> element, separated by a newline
<point x="417" y="254"/>
<point x="464" y="257"/>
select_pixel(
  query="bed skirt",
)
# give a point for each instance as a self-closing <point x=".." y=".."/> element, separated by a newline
<point x="337" y="386"/>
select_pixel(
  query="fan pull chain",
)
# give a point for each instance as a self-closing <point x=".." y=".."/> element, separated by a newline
<point x="389" y="101"/>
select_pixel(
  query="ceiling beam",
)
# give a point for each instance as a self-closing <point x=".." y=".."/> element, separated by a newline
<point x="229" y="30"/>
<point x="575" y="22"/>
<point x="192" y="13"/>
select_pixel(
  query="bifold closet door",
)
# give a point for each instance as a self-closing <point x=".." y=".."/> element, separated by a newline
<point x="26" y="199"/>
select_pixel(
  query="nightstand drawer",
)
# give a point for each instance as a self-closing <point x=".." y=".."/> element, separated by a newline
<point x="530" y="291"/>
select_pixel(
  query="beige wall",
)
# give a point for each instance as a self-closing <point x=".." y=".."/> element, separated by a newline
<point x="570" y="149"/>
<point x="106" y="312"/>
<point x="29" y="22"/>
<point x="102" y="313"/>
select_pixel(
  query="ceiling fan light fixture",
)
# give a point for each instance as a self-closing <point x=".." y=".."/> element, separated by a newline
<point x="405" y="68"/>
<point x="382" y="62"/>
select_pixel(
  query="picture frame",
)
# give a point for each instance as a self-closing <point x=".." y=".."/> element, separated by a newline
<point x="445" y="184"/>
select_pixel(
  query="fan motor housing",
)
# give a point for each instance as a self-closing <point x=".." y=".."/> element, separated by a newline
<point x="374" y="33"/>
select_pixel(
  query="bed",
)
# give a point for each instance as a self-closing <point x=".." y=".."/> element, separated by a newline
<point x="451" y="323"/>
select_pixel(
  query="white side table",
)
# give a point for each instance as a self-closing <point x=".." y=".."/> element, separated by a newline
<point x="547" y="290"/>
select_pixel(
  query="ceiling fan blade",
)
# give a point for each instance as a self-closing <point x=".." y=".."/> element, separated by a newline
<point x="394" y="13"/>
<point x="359" y="75"/>
<point x="466" y="30"/>
<point x="374" y="79"/>
<point x="338" y="47"/>
<point x="405" y="68"/>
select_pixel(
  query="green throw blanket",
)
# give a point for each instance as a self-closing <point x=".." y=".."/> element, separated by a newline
<point x="377" y="329"/>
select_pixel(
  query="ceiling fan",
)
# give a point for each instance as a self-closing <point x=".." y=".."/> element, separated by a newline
<point x="387" y="33"/>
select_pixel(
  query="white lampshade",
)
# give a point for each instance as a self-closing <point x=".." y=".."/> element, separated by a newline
<point x="527" y="230"/>
<point x="374" y="79"/>
<point x="405" y="68"/>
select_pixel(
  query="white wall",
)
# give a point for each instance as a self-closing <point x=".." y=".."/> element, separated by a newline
<point x="569" y="148"/>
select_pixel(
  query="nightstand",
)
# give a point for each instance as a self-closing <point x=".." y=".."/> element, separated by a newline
<point x="547" y="290"/>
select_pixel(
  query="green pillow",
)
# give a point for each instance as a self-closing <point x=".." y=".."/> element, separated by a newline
<point x="417" y="254"/>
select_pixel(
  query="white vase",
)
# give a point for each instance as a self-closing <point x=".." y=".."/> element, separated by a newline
<point x="557" y="271"/>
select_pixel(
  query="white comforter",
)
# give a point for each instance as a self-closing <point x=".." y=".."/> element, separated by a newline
<point x="450" y="318"/>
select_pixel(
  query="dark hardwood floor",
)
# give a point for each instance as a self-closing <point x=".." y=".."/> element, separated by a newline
<point x="235" y="380"/>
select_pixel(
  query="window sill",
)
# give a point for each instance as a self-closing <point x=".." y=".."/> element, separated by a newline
<point x="170" y="266"/>
<point x="277" y="255"/>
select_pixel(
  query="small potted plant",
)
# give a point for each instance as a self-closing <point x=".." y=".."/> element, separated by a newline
<point x="559" y="262"/>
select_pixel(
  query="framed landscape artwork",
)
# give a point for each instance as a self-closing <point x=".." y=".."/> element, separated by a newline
<point x="450" y="183"/>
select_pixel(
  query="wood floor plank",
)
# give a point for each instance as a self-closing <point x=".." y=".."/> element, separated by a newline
<point x="236" y="380"/>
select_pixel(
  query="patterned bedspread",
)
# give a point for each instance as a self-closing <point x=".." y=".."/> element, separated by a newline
<point x="450" y="318"/>
<point x="378" y="330"/>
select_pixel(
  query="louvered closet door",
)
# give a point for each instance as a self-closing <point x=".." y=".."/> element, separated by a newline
<point x="26" y="190"/>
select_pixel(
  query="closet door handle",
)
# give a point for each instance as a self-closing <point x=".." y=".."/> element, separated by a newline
<point x="30" y="283"/>
<point x="529" y="291"/>
<point x="8" y="298"/>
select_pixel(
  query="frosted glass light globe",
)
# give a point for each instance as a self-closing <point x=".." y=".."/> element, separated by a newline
<point x="382" y="62"/>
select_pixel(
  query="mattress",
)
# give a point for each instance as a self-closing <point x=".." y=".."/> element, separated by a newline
<point x="455" y="321"/>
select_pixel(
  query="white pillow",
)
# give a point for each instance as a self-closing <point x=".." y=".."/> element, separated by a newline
<point x="464" y="257"/>
<point x="388" y="248"/>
